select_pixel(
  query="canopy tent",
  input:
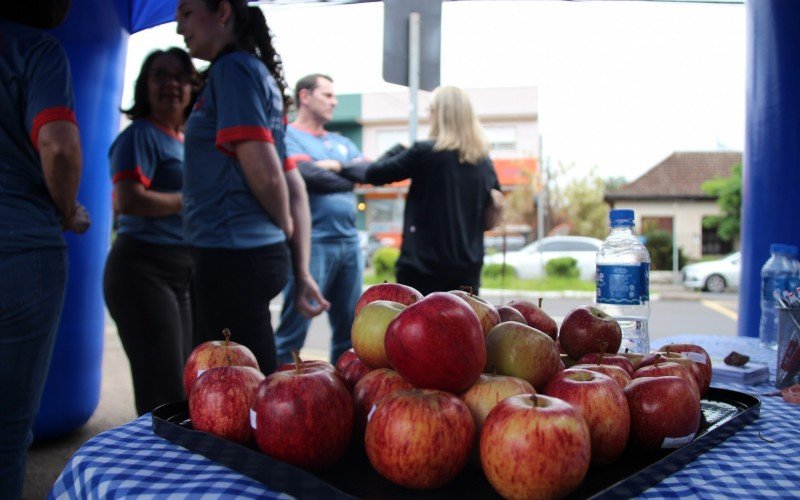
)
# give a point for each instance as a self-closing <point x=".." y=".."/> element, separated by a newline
<point x="95" y="36"/>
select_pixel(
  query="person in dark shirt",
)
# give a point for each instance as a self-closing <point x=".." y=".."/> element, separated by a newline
<point x="40" y="171"/>
<point x="149" y="267"/>
<point x="453" y="198"/>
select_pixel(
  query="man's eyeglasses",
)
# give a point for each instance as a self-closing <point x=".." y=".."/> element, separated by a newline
<point x="163" y="76"/>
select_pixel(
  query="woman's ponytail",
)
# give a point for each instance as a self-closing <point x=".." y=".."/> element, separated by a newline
<point x="259" y="41"/>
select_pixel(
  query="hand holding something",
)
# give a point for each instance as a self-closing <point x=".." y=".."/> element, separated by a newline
<point x="308" y="299"/>
<point x="78" y="221"/>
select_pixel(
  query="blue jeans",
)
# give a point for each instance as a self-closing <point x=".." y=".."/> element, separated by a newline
<point x="32" y="288"/>
<point x="338" y="269"/>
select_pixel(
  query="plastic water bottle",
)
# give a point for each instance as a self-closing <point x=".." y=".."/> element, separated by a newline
<point x="623" y="281"/>
<point x="778" y="274"/>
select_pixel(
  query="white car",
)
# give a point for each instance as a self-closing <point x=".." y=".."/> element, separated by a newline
<point x="530" y="260"/>
<point x="713" y="275"/>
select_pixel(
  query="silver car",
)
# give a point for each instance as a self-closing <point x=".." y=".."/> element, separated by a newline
<point x="713" y="275"/>
<point x="529" y="261"/>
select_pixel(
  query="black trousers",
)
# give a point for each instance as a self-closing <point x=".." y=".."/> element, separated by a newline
<point x="442" y="281"/>
<point x="233" y="289"/>
<point x="146" y="287"/>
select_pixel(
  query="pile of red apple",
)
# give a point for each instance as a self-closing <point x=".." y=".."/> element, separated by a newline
<point x="432" y="381"/>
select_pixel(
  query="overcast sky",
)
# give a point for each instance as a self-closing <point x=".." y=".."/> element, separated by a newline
<point x="621" y="84"/>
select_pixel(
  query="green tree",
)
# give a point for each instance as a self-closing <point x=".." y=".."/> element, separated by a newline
<point x="583" y="206"/>
<point x="728" y="191"/>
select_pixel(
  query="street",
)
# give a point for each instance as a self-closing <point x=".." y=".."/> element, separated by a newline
<point x="670" y="314"/>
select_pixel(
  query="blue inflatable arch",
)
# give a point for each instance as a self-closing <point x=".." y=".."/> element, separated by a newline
<point x="95" y="36"/>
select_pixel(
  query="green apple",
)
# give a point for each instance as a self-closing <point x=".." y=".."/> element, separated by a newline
<point x="522" y="351"/>
<point x="369" y="330"/>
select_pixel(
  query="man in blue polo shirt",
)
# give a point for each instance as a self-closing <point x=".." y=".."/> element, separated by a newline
<point x="336" y="260"/>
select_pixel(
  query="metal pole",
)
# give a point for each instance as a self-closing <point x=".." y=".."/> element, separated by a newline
<point x="414" y="20"/>
<point x="676" y="277"/>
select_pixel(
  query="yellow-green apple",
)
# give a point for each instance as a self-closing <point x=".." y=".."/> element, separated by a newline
<point x="536" y="317"/>
<point x="522" y="351"/>
<point x="220" y="401"/>
<point x="634" y="357"/>
<point x="601" y="358"/>
<point x="489" y="390"/>
<point x="585" y="328"/>
<point x="665" y="412"/>
<point x="369" y="330"/>
<point x="681" y="359"/>
<point x="535" y="446"/>
<point x="419" y="439"/>
<point x="437" y="343"/>
<point x="663" y="368"/>
<point x="351" y="368"/>
<point x="617" y="374"/>
<point x="487" y="313"/>
<point x="303" y="417"/>
<point x="699" y="356"/>
<point x="369" y="390"/>
<point x="215" y="353"/>
<point x="395" y="292"/>
<point x="508" y="313"/>
<point x="603" y="405"/>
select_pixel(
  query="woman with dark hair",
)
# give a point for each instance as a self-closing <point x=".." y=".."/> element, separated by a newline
<point x="453" y="198"/>
<point x="40" y="170"/>
<point x="242" y="199"/>
<point x="149" y="267"/>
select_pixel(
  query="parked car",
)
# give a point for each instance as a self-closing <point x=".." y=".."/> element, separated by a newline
<point x="529" y="261"/>
<point x="713" y="275"/>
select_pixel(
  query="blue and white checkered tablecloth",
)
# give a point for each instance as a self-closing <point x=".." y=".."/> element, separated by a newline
<point x="760" y="461"/>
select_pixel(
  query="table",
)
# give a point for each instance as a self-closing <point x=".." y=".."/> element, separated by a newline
<point x="760" y="461"/>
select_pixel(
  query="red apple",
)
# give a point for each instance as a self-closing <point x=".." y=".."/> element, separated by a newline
<point x="369" y="329"/>
<point x="634" y="357"/>
<point x="437" y="343"/>
<point x="508" y="313"/>
<point x="522" y="351"/>
<point x="536" y="317"/>
<point x="395" y="292"/>
<point x="215" y="353"/>
<point x="489" y="390"/>
<point x="535" y="446"/>
<point x="699" y="356"/>
<point x="617" y="374"/>
<point x="585" y="328"/>
<point x="665" y="412"/>
<point x="674" y="357"/>
<point x="603" y="405"/>
<point x="487" y="313"/>
<point x="419" y="438"/>
<point x="597" y="358"/>
<point x="370" y="389"/>
<point x="303" y="417"/>
<point x="220" y="401"/>
<point x="351" y="368"/>
<point x="312" y="363"/>
<point x="661" y="368"/>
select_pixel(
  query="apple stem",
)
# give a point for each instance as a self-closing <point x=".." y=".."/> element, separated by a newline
<point x="467" y="289"/>
<point x="298" y="363"/>
<point x="540" y="302"/>
<point x="228" y="359"/>
<point x="227" y="334"/>
<point x="666" y="349"/>
<point x="656" y="359"/>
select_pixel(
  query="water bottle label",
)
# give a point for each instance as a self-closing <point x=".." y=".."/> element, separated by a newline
<point x="771" y="283"/>
<point x="623" y="284"/>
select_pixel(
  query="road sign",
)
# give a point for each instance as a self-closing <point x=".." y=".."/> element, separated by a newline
<point x="396" y="41"/>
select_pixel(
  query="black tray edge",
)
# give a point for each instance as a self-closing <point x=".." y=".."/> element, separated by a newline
<point x="276" y="475"/>
<point x="653" y="474"/>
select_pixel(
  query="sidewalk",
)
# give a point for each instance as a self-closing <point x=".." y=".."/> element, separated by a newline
<point x="46" y="460"/>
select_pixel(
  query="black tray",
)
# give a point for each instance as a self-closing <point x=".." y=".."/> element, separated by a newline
<point x="724" y="413"/>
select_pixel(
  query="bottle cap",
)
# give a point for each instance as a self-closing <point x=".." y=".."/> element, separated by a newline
<point x="621" y="217"/>
<point x="781" y="248"/>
